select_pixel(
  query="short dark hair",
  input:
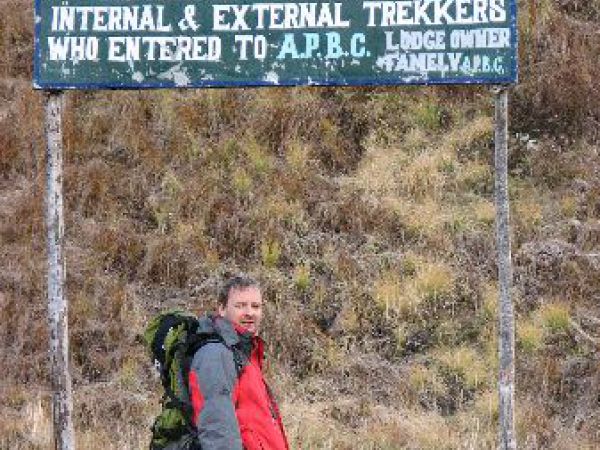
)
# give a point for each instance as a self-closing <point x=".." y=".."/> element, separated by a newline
<point x="236" y="282"/>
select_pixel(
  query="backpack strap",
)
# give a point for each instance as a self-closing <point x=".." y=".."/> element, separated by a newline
<point x="241" y="355"/>
<point x="240" y="359"/>
<point x="192" y="344"/>
<point x="186" y="351"/>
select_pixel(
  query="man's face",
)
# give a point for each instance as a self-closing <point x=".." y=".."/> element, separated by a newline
<point x="244" y="307"/>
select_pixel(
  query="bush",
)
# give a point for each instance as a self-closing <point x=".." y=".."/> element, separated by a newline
<point x="559" y="92"/>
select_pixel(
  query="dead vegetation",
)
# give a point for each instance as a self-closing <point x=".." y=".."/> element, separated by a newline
<point x="367" y="214"/>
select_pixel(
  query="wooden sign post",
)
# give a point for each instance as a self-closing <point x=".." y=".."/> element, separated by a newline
<point x="506" y="375"/>
<point x="62" y="404"/>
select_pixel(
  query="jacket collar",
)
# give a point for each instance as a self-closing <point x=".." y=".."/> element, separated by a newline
<point x="231" y="333"/>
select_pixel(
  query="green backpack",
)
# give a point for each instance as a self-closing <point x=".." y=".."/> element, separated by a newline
<point x="172" y="340"/>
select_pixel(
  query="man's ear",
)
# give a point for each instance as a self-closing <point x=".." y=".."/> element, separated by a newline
<point x="221" y="310"/>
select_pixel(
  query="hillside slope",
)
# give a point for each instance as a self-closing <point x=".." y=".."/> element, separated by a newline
<point x="368" y="216"/>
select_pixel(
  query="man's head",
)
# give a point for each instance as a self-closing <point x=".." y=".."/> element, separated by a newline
<point x="240" y="301"/>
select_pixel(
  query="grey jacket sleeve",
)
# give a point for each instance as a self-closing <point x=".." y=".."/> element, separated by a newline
<point x="216" y="423"/>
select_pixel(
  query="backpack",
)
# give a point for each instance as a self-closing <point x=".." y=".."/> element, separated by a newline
<point x="172" y="340"/>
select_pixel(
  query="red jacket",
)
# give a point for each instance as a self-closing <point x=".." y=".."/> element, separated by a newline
<point x="232" y="412"/>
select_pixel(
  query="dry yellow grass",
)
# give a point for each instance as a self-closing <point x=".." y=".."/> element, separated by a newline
<point x="383" y="428"/>
<point x="419" y="166"/>
<point x="426" y="379"/>
<point x="555" y="317"/>
<point x="464" y="362"/>
<point x="484" y="212"/>
<point x="431" y="283"/>
<point x="530" y="336"/>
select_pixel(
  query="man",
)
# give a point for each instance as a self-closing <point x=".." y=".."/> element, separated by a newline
<point x="233" y="408"/>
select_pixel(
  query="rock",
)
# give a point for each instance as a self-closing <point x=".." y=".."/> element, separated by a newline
<point x="580" y="186"/>
<point x="588" y="236"/>
<point x="546" y="254"/>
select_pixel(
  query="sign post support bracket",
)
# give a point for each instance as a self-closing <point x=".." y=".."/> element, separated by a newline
<point x="62" y="401"/>
<point x="506" y="375"/>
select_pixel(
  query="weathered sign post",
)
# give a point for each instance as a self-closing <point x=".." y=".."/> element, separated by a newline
<point x="62" y="404"/>
<point x="506" y="376"/>
<point x="139" y="44"/>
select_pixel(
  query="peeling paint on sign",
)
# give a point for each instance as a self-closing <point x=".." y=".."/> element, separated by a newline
<point x="177" y="75"/>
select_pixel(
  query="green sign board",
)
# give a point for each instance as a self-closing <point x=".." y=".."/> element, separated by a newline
<point x="106" y="44"/>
